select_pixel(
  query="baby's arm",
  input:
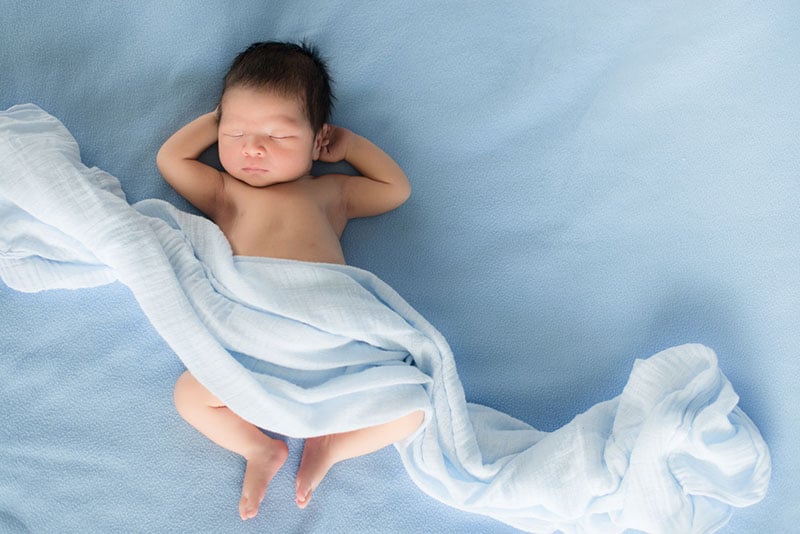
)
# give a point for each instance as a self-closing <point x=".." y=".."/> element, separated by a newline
<point x="177" y="162"/>
<point x="382" y="185"/>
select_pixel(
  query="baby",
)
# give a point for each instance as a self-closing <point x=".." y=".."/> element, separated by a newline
<point x="270" y="125"/>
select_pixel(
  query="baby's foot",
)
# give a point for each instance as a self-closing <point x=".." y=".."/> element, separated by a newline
<point x="261" y="468"/>
<point x="317" y="460"/>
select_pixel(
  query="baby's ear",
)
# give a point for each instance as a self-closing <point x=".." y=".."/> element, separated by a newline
<point x="321" y="140"/>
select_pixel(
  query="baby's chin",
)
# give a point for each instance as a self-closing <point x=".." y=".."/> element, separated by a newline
<point x="260" y="179"/>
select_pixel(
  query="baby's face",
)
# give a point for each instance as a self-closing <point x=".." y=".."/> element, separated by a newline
<point x="265" y="138"/>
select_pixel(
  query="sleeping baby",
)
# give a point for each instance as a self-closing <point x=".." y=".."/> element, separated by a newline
<point x="270" y="125"/>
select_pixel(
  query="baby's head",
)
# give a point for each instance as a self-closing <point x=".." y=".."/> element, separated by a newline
<point x="276" y="99"/>
<point x="290" y="70"/>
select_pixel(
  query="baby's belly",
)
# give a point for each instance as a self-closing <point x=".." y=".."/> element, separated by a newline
<point x="290" y="247"/>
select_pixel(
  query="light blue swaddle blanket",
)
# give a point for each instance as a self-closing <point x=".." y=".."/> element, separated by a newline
<point x="308" y="349"/>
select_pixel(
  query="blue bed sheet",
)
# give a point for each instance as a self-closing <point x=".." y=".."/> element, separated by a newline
<point x="592" y="184"/>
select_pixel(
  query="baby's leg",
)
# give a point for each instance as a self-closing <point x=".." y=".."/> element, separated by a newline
<point x="211" y="417"/>
<point x="320" y="454"/>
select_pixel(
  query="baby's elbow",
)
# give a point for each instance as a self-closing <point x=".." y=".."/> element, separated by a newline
<point x="403" y="192"/>
<point x="162" y="160"/>
<point x="398" y="195"/>
<point x="167" y="164"/>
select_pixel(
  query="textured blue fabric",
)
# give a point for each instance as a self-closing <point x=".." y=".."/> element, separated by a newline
<point x="591" y="184"/>
<point x="305" y="349"/>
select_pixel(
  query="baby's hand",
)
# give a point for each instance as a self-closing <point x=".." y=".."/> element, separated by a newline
<point x="335" y="142"/>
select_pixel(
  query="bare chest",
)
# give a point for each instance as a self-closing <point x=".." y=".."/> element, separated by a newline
<point x="291" y="221"/>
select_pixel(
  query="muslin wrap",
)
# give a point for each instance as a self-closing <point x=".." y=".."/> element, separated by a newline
<point x="306" y="349"/>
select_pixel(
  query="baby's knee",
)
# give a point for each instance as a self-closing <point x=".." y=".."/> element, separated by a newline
<point x="189" y="392"/>
<point x="183" y="391"/>
<point x="415" y="419"/>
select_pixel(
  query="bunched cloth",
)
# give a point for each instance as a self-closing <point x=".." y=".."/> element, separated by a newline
<point x="307" y="349"/>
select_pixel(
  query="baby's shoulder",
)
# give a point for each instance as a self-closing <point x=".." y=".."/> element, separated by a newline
<point x="327" y="185"/>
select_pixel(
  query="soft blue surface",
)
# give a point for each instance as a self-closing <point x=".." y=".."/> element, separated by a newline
<point x="309" y="349"/>
<point x="591" y="185"/>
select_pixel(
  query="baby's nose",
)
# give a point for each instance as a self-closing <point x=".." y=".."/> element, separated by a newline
<point x="253" y="148"/>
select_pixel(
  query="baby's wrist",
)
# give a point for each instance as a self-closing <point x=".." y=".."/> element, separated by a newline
<point x="354" y="144"/>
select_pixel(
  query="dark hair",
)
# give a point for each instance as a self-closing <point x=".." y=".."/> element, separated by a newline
<point x="293" y="70"/>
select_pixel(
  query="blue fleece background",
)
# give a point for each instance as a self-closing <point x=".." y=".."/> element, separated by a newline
<point x="592" y="184"/>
